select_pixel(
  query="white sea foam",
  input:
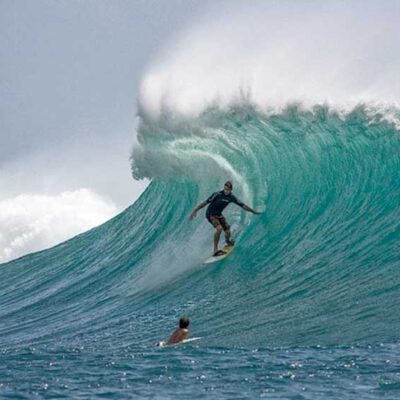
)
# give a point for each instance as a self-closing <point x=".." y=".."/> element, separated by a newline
<point x="273" y="53"/>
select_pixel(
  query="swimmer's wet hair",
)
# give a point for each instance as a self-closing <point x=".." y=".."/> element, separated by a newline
<point x="184" y="322"/>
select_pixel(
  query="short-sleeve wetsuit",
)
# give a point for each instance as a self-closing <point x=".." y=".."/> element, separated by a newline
<point x="217" y="202"/>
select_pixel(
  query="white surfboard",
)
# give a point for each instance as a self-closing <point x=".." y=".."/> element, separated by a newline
<point x="227" y="250"/>
<point x="165" y="344"/>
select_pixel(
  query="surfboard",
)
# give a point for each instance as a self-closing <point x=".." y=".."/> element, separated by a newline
<point x="227" y="249"/>
<point x="164" y="343"/>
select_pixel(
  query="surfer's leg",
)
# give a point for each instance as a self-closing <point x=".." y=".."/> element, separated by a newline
<point x="218" y="230"/>
<point x="228" y="233"/>
<point x="227" y="229"/>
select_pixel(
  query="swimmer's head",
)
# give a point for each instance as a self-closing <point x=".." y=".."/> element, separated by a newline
<point x="183" y="322"/>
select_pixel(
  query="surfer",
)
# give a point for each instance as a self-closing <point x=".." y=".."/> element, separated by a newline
<point x="181" y="332"/>
<point x="217" y="202"/>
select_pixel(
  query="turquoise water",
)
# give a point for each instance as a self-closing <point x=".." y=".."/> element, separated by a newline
<point x="306" y="307"/>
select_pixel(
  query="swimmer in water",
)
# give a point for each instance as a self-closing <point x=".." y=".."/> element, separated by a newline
<point x="181" y="332"/>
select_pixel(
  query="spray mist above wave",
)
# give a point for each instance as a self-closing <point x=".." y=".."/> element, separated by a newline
<point x="272" y="54"/>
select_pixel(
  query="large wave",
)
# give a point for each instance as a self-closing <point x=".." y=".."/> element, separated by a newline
<point x="319" y="266"/>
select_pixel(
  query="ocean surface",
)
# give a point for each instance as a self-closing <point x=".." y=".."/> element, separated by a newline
<point x="306" y="307"/>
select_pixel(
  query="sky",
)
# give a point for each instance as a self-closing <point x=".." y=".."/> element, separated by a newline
<point x="69" y="77"/>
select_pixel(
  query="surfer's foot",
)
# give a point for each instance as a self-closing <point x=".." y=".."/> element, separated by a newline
<point x="219" y="253"/>
<point x="230" y="242"/>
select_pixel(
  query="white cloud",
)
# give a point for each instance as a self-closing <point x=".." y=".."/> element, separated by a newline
<point x="31" y="222"/>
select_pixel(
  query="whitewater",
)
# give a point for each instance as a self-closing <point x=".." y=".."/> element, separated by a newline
<point x="306" y="307"/>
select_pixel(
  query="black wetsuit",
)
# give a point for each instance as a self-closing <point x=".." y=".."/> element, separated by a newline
<point x="217" y="202"/>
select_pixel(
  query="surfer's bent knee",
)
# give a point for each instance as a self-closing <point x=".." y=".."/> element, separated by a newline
<point x="214" y="221"/>
<point x="218" y="228"/>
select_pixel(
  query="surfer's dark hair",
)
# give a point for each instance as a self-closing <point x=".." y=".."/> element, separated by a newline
<point x="228" y="183"/>
<point x="184" y="322"/>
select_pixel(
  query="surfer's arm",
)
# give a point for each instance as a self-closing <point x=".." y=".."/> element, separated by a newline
<point x="244" y="206"/>
<point x="199" y="207"/>
<point x="247" y="208"/>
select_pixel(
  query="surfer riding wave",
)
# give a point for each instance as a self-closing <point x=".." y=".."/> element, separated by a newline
<point x="216" y="204"/>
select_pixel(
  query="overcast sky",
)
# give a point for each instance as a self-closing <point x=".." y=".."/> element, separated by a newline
<point x="69" y="75"/>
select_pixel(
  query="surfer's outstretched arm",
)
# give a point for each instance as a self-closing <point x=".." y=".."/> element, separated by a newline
<point x="244" y="206"/>
<point x="199" y="207"/>
<point x="247" y="208"/>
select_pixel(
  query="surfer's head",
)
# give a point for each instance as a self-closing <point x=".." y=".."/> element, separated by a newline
<point x="228" y="187"/>
<point x="183" y="322"/>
